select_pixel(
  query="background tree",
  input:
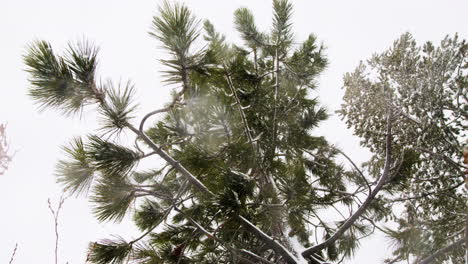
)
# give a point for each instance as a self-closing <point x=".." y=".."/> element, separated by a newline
<point x="421" y="91"/>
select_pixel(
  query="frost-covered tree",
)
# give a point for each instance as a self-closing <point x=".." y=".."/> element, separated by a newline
<point x="5" y="157"/>
<point x="243" y="179"/>
<point x="416" y="98"/>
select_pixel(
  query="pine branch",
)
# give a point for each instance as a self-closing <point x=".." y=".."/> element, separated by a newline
<point x="110" y="158"/>
<point x="119" y="108"/>
<point x="64" y="83"/>
<point x="245" y="24"/>
<point x="350" y="221"/>
<point x="109" y="251"/>
<point x="269" y="241"/>
<point x="281" y="22"/>
<point x="275" y="101"/>
<point x="112" y="196"/>
<point x="176" y="28"/>
<point x="202" y="188"/>
<point x="225" y="244"/>
<point x="247" y="130"/>
<point x="425" y="194"/>
<point x="75" y="173"/>
<point x="442" y="251"/>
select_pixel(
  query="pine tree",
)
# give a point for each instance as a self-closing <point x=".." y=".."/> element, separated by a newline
<point x="420" y="92"/>
<point x="244" y="179"/>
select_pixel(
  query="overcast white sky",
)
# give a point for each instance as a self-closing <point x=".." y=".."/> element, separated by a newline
<point x="352" y="31"/>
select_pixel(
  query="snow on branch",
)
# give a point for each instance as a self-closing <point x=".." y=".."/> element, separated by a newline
<point x="5" y="157"/>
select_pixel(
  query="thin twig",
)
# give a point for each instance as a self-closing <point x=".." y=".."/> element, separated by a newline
<point x="55" y="214"/>
<point x="357" y="169"/>
<point x="13" y="254"/>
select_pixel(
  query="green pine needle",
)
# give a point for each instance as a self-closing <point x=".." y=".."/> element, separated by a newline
<point x="119" y="107"/>
<point x="282" y="22"/>
<point x="148" y="215"/>
<point x="76" y="173"/>
<point x="111" y="158"/>
<point x="63" y="83"/>
<point x="112" y="197"/>
<point x="245" y="24"/>
<point x="109" y="251"/>
<point x="176" y="27"/>
<point x="82" y="61"/>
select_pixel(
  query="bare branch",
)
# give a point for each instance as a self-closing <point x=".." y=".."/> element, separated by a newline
<point x="13" y="254"/>
<point x="174" y="163"/>
<point x="55" y="214"/>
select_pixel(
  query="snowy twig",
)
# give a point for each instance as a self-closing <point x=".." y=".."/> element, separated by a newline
<point x="5" y="158"/>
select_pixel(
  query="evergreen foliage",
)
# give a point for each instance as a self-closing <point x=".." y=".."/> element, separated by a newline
<point x="425" y="88"/>
<point x="244" y="179"/>
<point x="76" y="173"/>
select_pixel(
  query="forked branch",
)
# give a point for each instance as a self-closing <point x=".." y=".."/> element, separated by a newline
<point x="55" y="214"/>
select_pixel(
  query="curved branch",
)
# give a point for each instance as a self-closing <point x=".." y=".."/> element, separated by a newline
<point x="383" y="179"/>
<point x="357" y="169"/>
<point x="175" y="101"/>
